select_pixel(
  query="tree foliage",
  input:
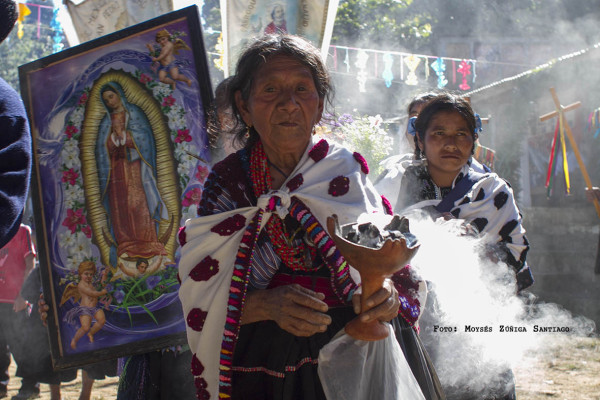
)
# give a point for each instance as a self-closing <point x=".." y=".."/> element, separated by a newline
<point x="15" y="52"/>
<point x="385" y="24"/>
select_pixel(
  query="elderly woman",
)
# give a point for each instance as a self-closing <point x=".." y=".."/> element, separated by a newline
<point x="263" y="286"/>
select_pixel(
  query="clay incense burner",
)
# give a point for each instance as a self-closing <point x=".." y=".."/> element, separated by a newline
<point x="376" y="255"/>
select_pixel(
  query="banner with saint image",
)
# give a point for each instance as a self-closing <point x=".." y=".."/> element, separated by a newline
<point x="244" y="20"/>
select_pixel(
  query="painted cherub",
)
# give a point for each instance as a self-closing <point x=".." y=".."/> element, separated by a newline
<point x="87" y="296"/>
<point x="142" y="267"/>
<point x="166" y="58"/>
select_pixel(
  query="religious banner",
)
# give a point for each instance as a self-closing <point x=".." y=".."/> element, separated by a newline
<point x="244" y="20"/>
<point x="120" y="157"/>
<point x="95" y="18"/>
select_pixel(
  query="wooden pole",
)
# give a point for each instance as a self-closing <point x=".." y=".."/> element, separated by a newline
<point x="560" y="110"/>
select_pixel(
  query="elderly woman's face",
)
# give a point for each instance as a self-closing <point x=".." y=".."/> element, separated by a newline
<point x="283" y="105"/>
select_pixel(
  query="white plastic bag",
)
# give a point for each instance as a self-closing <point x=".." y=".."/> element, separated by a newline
<point x="352" y="369"/>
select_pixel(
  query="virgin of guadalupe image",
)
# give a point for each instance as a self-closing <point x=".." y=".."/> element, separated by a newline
<point x="132" y="201"/>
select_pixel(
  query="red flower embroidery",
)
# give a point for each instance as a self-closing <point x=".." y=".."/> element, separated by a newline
<point x="387" y="206"/>
<point x="339" y="186"/>
<point x="70" y="176"/>
<point x="181" y="235"/>
<point x="230" y="225"/>
<point x="206" y="269"/>
<point x="201" y="393"/>
<point x="295" y="182"/>
<point x="196" y="319"/>
<point x="197" y="367"/>
<point x="319" y="150"/>
<point x="364" y="167"/>
<point x="70" y="130"/>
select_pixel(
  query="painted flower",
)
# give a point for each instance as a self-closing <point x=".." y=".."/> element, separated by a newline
<point x="76" y="117"/>
<point x="183" y="135"/>
<point x="83" y="98"/>
<point x="168" y="101"/>
<point x="161" y="90"/>
<point x="73" y="195"/>
<point x="145" y="78"/>
<point x="70" y="130"/>
<point x="67" y="239"/>
<point x="87" y="231"/>
<point x="74" y="218"/>
<point x="176" y="121"/>
<point x="119" y="295"/>
<point x="192" y="196"/>
<point x="70" y="176"/>
<point x="152" y="281"/>
<point x="82" y="245"/>
<point x="202" y="173"/>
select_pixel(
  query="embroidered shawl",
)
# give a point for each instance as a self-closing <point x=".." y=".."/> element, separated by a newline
<point x="217" y="250"/>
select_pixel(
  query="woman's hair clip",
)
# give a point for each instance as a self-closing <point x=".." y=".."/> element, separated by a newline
<point x="411" y="126"/>
<point x="478" y="127"/>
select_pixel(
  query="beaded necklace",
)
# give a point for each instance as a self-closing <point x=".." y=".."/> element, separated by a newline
<point x="297" y="256"/>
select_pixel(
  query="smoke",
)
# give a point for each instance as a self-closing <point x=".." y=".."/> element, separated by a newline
<point x="475" y="326"/>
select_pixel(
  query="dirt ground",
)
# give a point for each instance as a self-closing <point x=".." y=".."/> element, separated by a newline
<point x="569" y="371"/>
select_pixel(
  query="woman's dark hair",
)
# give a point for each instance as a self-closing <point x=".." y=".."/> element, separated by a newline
<point x="420" y="98"/>
<point x="8" y="17"/>
<point x="257" y="54"/>
<point x="444" y="102"/>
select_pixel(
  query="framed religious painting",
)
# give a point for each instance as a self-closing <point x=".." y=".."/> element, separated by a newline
<point x="243" y="20"/>
<point x="120" y="156"/>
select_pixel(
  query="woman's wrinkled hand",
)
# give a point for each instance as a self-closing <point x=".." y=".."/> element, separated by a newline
<point x="383" y="304"/>
<point x="297" y="310"/>
<point x="43" y="309"/>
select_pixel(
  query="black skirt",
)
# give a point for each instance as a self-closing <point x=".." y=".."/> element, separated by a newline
<point x="272" y="364"/>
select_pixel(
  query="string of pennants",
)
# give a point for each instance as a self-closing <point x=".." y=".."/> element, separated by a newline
<point x="55" y="26"/>
<point x="406" y="67"/>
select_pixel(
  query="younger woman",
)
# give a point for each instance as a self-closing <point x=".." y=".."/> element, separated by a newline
<point x="441" y="180"/>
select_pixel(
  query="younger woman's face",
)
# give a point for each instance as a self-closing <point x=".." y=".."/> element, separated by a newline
<point x="447" y="146"/>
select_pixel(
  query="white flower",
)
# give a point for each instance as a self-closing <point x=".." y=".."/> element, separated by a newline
<point x="73" y="261"/>
<point x="161" y="90"/>
<point x="67" y="239"/>
<point x="70" y="154"/>
<point x="81" y="245"/>
<point x="375" y="121"/>
<point x="177" y="121"/>
<point x="73" y="194"/>
<point x="76" y="117"/>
